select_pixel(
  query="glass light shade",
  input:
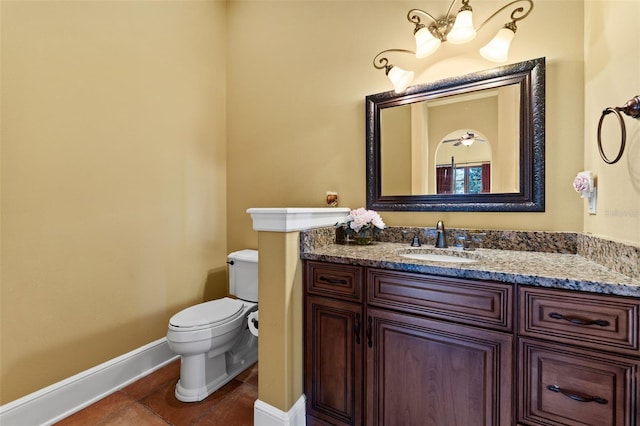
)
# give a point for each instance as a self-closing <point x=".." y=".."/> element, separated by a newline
<point x="498" y="48"/>
<point x="426" y="43"/>
<point x="462" y="30"/>
<point x="400" y="78"/>
<point x="468" y="142"/>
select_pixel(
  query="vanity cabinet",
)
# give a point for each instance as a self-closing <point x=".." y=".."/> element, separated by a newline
<point x="579" y="358"/>
<point x="394" y="348"/>
<point x="334" y="346"/>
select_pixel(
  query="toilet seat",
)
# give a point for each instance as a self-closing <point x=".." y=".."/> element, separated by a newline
<point x="207" y="315"/>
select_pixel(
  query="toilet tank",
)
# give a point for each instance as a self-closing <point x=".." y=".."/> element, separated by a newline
<point x="243" y="274"/>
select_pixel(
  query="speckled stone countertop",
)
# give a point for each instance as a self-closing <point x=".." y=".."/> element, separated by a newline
<point x="562" y="270"/>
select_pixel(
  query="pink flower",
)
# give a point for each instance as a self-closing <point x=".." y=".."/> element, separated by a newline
<point x="363" y="218"/>
<point x="581" y="183"/>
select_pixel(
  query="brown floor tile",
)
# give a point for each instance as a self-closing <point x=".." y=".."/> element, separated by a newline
<point x="164" y="403"/>
<point x="248" y="389"/>
<point x="98" y="412"/>
<point x="250" y="375"/>
<point x="236" y="409"/>
<point x="133" y="415"/>
<point x="170" y="373"/>
<point x="151" y="402"/>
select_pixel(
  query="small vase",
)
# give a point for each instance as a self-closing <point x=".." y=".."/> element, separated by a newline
<point x="364" y="236"/>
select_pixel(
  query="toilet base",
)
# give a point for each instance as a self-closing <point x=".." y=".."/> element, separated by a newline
<point x="201" y="375"/>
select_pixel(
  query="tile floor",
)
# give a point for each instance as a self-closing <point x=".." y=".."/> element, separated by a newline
<point x="150" y="401"/>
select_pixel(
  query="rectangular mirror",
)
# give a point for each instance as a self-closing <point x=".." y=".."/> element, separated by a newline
<point x="470" y="143"/>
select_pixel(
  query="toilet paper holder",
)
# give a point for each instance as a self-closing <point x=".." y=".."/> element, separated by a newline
<point x="252" y="323"/>
<point x="632" y="109"/>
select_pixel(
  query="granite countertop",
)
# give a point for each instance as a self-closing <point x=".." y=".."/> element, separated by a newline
<point x="555" y="270"/>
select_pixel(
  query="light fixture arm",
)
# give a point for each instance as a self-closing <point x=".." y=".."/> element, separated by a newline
<point x="439" y="28"/>
<point x="514" y="14"/>
<point x="383" y="62"/>
<point x="415" y="19"/>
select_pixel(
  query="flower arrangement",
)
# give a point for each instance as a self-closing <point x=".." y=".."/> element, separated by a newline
<point x="362" y="223"/>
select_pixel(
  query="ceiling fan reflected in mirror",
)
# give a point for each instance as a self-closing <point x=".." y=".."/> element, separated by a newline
<point x="467" y="139"/>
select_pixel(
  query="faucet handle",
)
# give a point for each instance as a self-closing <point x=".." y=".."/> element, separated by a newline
<point x="416" y="241"/>
<point x="464" y="243"/>
<point x="476" y="237"/>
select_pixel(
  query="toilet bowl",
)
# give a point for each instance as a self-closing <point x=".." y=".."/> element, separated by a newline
<point x="213" y="338"/>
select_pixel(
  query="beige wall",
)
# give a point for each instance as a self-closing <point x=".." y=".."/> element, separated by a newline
<point x="113" y="148"/>
<point x="113" y="178"/>
<point x="396" y="149"/>
<point x="612" y="77"/>
<point x="303" y="79"/>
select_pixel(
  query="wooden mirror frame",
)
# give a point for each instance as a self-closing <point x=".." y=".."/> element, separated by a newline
<point x="530" y="198"/>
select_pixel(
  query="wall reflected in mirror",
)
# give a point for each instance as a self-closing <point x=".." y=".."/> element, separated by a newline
<point x="461" y="144"/>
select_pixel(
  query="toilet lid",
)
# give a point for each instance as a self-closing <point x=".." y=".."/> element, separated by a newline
<point x="210" y="313"/>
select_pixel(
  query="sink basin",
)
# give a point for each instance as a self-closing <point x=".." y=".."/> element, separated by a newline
<point x="437" y="257"/>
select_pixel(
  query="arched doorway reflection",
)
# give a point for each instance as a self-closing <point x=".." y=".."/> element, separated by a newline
<point x="463" y="163"/>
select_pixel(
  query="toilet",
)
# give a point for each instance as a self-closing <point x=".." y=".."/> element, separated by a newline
<point x="214" y="339"/>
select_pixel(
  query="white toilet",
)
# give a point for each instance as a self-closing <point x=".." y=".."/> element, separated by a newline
<point x="213" y="338"/>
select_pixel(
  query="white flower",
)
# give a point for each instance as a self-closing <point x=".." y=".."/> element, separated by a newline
<point x="362" y="218"/>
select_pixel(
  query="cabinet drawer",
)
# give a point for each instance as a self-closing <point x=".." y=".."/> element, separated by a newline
<point x="595" y="321"/>
<point x="572" y="387"/>
<point x="334" y="280"/>
<point x="480" y="303"/>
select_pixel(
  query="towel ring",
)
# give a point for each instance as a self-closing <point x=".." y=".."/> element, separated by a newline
<point x="632" y="109"/>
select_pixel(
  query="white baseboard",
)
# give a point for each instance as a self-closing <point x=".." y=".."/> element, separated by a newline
<point x="267" y="415"/>
<point x="60" y="400"/>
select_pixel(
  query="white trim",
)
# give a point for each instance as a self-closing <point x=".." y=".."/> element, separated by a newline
<point x="267" y="415"/>
<point x="290" y="219"/>
<point x="53" y="403"/>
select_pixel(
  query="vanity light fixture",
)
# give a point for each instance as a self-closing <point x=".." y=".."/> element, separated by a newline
<point x="399" y="77"/>
<point x="456" y="29"/>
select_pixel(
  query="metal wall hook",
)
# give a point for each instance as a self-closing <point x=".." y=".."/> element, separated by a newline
<point x="632" y="109"/>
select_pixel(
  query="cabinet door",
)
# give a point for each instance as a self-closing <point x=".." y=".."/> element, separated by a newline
<point x="333" y="358"/>
<point x="430" y="373"/>
<point x="562" y="385"/>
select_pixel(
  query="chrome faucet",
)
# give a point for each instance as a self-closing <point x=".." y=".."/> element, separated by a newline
<point x="441" y="240"/>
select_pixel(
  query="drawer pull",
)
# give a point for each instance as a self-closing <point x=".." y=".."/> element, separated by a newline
<point x="332" y="280"/>
<point x="578" y="320"/>
<point x="577" y="396"/>
<point x="356" y="328"/>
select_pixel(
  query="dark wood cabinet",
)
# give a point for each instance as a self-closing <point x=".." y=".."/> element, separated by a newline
<point x="334" y="344"/>
<point x="379" y="349"/>
<point x="333" y="360"/>
<point x="429" y="372"/>
<point x="389" y="348"/>
<point x="579" y="359"/>
<point x="563" y="385"/>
